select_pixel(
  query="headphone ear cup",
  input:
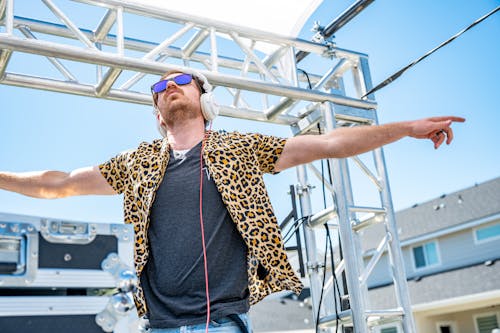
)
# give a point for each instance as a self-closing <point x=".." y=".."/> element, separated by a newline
<point x="209" y="106"/>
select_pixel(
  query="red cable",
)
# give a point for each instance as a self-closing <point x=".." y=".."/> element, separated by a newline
<point x="203" y="231"/>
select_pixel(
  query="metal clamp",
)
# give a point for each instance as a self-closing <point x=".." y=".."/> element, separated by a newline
<point x="126" y="279"/>
<point x="121" y="303"/>
<point x="300" y="189"/>
<point x="18" y="254"/>
<point x="118" y="306"/>
<point x="315" y="266"/>
<point x="68" y="232"/>
<point x="122" y="232"/>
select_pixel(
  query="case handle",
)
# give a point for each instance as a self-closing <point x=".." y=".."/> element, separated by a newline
<point x="68" y="232"/>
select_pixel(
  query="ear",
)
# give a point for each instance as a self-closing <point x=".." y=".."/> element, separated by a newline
<point x="160" y="124"/>
<point x="159" y="118"/>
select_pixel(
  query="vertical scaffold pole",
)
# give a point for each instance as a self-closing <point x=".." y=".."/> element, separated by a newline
<point x="396" y="262"/>
<point x="312" y="266"/>
<point x="358" y="295"/>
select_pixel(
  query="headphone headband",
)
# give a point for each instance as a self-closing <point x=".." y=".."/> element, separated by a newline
<point x="206" y="86"/>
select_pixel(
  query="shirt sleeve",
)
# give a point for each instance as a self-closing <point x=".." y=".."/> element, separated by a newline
<point x="268" y="150"/>
<point x="115" y="171"/>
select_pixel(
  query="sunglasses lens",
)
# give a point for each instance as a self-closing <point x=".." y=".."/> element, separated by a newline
<point x="183" y="79"/>
<point x="159" y="86"/>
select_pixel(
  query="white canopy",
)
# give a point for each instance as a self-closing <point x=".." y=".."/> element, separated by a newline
<point x="284" y="17"/>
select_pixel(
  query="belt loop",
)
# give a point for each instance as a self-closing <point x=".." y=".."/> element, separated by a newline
<point x="239" y="322"/>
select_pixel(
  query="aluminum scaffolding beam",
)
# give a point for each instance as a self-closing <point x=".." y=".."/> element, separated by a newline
<point x="250" y="84"/>
<point x="350" y="225"/>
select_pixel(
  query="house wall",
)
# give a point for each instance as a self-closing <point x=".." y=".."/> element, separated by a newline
<point x="463" y="321"/>
<point x="446" y="285"/>
<point x="455" y="250"/>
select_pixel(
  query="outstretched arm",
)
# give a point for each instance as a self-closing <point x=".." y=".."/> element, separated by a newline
<point x="345" y="142"/>
<point x="56" y="184"/>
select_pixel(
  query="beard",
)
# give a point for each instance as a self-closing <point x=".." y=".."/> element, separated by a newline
<point x="179" y="109"/>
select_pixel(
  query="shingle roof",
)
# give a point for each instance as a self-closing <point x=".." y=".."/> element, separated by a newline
<point x="462" y="206"/>
<point x="456" y="283"/>
<point x="473" y="203"/>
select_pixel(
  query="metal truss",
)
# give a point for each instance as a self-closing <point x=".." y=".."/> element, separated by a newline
<point x="250" y="84"/>
<point x="122" y="62"/>
<point x="349" y="305"/>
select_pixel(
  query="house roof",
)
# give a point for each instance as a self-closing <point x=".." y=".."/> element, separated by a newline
<point x="473" y="203"/>
<point x="445" y="285"/>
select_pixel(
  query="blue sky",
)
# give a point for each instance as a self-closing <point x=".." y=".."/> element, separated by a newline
<point x="46" y="130"/>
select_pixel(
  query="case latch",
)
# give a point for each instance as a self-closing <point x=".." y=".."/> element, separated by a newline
<point x="68" y="232"/>
<point x="18" y="253"/>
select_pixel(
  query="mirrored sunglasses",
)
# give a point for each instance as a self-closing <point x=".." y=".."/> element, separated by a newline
<point x="160" y="86"/>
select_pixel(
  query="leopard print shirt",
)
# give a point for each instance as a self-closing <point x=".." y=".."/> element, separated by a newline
<point x="237" y="163"/>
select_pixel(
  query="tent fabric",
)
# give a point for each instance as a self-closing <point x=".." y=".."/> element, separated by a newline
<point x="284" y="17"/>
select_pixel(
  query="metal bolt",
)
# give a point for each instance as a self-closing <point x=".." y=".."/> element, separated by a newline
<point x="67" y="257"/>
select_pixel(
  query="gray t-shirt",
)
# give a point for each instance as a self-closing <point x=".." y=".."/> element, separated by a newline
<point x="174" y="279"/>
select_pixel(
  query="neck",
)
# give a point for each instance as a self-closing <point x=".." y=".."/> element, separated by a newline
<point x="185" y="135"/>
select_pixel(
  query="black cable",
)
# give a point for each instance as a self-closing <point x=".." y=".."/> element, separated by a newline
<point x="289" y="234"/>
<point x="297" y="223"/>
<point x="326" y="243"/>
<point x="322" y="288"/>
<point x="404" y="69"/>
<point x="336" y="288"/>
<point x="341" y="254"/>
<point x="335" y="282"/>
<point x="307" y="77"/>
<point x="322" y="175"/>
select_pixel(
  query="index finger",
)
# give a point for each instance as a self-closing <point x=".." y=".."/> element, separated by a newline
<point x="452" y="118"/>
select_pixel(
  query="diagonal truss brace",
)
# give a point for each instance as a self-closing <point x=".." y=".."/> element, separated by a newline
<point x="256" y="75"/>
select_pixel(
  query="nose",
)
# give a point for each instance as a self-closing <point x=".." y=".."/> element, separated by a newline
<point x="171" y="83"/>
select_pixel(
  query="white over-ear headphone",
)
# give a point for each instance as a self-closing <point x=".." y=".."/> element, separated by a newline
<point x="209" y="107"/>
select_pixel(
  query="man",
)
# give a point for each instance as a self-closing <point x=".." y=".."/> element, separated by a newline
<point x="207" y="244"/>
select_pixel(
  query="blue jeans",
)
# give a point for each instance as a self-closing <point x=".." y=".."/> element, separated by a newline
<point x="222" y="325"/>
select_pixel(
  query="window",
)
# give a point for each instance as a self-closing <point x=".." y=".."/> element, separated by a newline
<point x="486" y="323"/>
<point x="485" y="234"/>
<point x="445" y="327"/>
<point x="389" y="328"/>
<point x="425" y="255"/>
